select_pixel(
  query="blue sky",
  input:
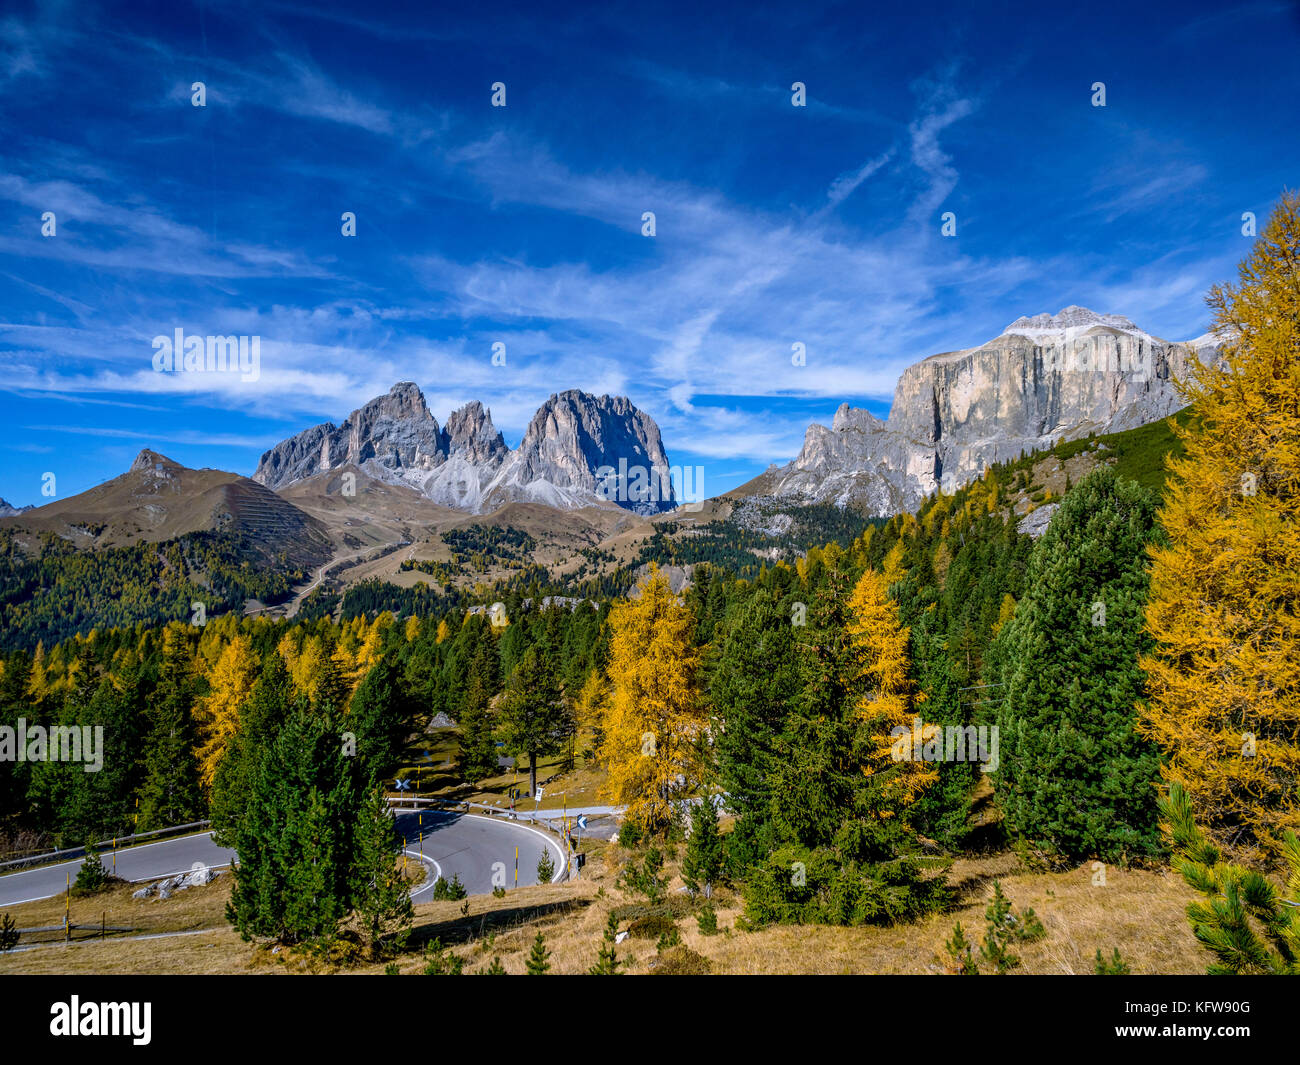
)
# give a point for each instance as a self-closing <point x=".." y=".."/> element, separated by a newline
<point x="522" y="224"/>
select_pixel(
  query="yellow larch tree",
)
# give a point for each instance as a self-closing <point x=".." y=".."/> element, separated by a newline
<point x="888" y="702"/>
<point x="230" y="683"/>
<point x="1224" y="606"/>
<point x="655" y="720"/>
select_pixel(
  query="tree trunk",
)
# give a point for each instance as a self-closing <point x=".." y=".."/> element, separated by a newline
<point x="532" y="773"/>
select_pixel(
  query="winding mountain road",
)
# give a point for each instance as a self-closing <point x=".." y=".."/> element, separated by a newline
<point x="454" y="843"/>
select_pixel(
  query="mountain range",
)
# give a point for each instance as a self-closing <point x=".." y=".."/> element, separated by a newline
<point x="1042" y="379"/>
<point x="579" y="450"/>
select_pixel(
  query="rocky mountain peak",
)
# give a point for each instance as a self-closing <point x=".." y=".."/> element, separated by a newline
<point x="571" y="443"/>
<point x="1068" y="323"/>
<point x="1045" y="378"/>
<point x="148" y="459"/>
<point x="470" y="432"/>
<point x="847" y="418"/>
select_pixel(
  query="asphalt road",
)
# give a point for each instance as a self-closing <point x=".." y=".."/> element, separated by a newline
<point x="456" y="843"/>
<point x="475" y="848"/>
<point x="164" y="858"/>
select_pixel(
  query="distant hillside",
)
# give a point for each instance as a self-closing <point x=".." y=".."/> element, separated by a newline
<point x="146" y="546"/>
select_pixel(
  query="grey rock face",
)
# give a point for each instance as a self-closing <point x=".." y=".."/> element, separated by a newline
<point x="1045" y="378"/>
<point x="7" y="510"/>
<point x="570" y="456"/>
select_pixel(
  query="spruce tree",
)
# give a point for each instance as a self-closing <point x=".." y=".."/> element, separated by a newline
<point x="531" y="713"/>
<point x="478" y="758"/>
<point x="1074" y="777"/>
<point x="537" y="963"/>
<point x="170" y="794"/>
<point x="92" y="876"/>
<point x="381" y="716"/>
<point x="702" y="865"/>
<point x="607" y="962"/>
<point x="296" y="837"/>
<point x="545" y="867"/>
<point x="752" y="687"/>
<point x="380" y="897"/>
<point x="845" y="852"/>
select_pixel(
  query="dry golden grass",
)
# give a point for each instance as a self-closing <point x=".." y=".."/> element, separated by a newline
<point x="1139" y="911"/>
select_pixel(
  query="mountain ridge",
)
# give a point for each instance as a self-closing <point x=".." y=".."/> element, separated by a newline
<point x="573" y="453"/>
<point x="1045" y="378"/>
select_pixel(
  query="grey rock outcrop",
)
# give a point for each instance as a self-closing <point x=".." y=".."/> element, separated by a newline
<point x="8" y="511"/>
<point x="1044" y="379"/>
<point x="579" y="450"/>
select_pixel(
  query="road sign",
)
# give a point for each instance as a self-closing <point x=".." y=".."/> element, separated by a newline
<point x="402" y="785"/>
<point x="582" y="820"/>
<point x="539" y="794"/>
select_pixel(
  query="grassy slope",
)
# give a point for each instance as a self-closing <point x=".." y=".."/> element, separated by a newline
<point x="1139" y="911"/>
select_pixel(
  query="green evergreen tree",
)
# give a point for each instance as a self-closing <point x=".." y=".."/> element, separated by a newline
<point x="478" y="756"/>
<point x="753" y="685"/>
<point x="380" y="897"/>
<point x="92" y="876"/>
<point x="170" y="794"/>
<point x="9" y="934"/>
<point x="545" y="867"/>
<point x="703" y="863"/>
<point x="296" y="839"/>
<point x="843" y="855"/>
<point x="531" y="711"/>
<point x="1074" y="777"/>
<point x="381" y="717"/>
<point x="607" y="962"/>
<point x="537" y="963"/>
<point x="1250" y="926"/>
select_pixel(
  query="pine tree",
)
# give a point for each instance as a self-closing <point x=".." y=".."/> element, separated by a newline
<point x="170" y="794"/>
<point x="702" y="865"/>
<point x="545" y="867"/>
<point x="477" y="749"/>
<point x="656" y="721"/>
<point x="1074" y="777"/>
<point x="753" y="685"/>
<point x="1224" y="685"/>
<point x="1245" y="922"/>
<point x="607" y="962"/>
<point x="531" y="711"/>
<point x="537" y="963"/>
<point x="381" y="900"/>
<point x="845" y="853"/>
